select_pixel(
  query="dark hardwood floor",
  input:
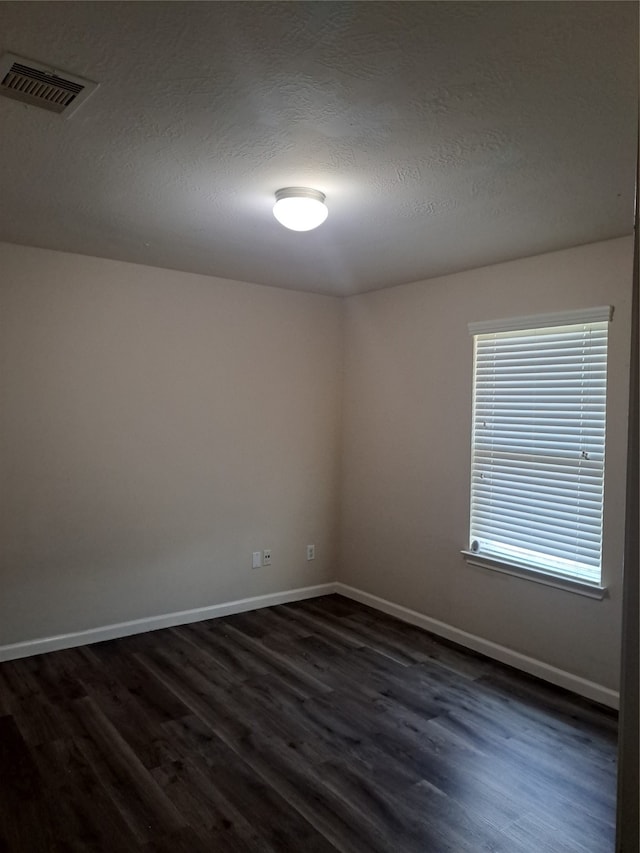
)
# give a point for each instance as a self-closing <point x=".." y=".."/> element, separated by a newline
<point x="316" y="726"/>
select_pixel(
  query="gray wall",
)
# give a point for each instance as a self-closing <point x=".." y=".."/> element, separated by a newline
<point x="156" y="428"/>
<point x="407" y="419"/>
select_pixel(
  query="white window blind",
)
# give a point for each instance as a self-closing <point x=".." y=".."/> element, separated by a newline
<point x="538" y="443"/>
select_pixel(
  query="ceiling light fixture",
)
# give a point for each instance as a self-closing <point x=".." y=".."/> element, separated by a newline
<point x="300" y="208"/>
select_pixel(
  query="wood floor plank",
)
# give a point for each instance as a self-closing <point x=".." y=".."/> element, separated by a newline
<point x="25" y="815"/>
<point x="146" y="810"/>
<point x="425" y="646"/>
<point x="297" y="675"/>
<point x="134" y="724"/>
<point x="281" y="826"/>
<point x="299" y="784"/>
<point x="321" y="725"/>
<point x="322" y="627"/>
<point x="208" y="815"/>
<point x="237" y="661"/>
<point x="158" y="703"/>
<point x="85" y="814"/>
<point x="210" y="702"/>
<point x="188" y="841"/>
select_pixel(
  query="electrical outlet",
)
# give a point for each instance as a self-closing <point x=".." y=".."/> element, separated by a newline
<point x="256" y="560"/>
<point x="266" y="557"/>
<point x="311" y="552"/>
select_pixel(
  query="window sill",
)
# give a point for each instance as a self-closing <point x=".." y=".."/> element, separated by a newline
<point x="536" y="575"/>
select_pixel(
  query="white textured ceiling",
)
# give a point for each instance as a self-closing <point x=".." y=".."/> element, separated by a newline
<point x="445" y="135"/>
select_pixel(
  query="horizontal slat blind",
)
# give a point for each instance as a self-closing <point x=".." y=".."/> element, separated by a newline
<point x="538" y="447"/>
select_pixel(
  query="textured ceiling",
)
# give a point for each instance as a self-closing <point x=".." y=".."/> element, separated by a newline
<point x="445" y="135"/>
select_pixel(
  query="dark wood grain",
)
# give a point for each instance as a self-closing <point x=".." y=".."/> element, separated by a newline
<point x="318" y="726"/>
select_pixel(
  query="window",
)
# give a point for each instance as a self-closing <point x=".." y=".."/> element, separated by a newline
<point x="538" y="446"/>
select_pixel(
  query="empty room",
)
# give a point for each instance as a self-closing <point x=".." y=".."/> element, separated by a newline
<point x="318" y="427"/>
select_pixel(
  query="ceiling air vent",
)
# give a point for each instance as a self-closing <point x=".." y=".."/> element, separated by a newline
<point x="41" y="86"/>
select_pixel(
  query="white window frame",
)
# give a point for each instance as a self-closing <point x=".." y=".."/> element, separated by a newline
<point x="535" y="563"/>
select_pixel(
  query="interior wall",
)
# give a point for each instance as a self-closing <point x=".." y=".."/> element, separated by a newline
<point x="156" y="427"/>
<point x="406" y="454"/>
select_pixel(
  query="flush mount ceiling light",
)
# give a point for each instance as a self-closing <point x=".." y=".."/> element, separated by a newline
<point x="300" y="208"/>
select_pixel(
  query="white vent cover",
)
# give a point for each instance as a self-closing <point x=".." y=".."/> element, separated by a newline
<point x="40" y="86"/>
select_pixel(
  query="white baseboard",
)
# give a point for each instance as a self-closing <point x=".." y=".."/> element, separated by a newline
<point x="581" y="686"/>
<point x="152" y="623"/>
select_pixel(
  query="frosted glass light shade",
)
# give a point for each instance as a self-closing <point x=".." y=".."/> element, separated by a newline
<point x="300" y="208"/>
